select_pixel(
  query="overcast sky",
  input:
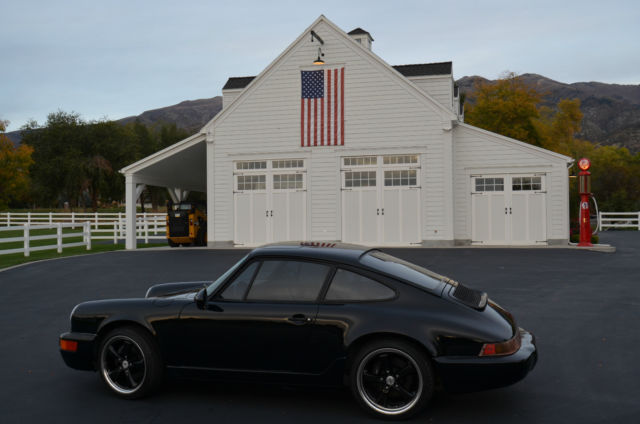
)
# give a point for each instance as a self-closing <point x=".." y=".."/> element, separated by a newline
<point x="113" y="59"/>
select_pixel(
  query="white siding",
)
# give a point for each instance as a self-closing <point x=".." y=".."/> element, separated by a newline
<point x="381" y="112"/>
<point x="477" y="152"/>
<point x="440" y="87"/>
<point x="228" y="96"/>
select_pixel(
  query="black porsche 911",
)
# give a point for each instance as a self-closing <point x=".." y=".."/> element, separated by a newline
<point x="308" y="313"/>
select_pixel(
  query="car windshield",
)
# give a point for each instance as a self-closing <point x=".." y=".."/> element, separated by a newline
<point x="405" y="270"/>
<point x="213" y="286"/>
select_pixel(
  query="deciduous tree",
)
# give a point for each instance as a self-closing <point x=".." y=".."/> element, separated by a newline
<point x="507" y="106"/>
<point x="14" y="169"/>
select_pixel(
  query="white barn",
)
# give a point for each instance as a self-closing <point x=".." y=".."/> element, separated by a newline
<point x="355" y="150"/>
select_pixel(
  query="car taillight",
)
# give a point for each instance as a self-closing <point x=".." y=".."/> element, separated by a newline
<point x="68" y="345"/>
<point x="499" y="349"/>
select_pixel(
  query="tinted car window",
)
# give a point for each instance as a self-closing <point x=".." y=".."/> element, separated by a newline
<point x="288" y="280"/>
<point x="403" y="269"/>
<point x="238" y="287"/>
<point x="349" y="286"/>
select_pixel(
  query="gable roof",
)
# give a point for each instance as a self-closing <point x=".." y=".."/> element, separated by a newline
<point x="445" y="112"/>
<point x="415" y="70"/>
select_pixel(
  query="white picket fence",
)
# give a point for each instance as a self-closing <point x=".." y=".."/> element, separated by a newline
<point x="619" y="220"/>
<point x="27" y="237"/>
<point x="104" y="225"/>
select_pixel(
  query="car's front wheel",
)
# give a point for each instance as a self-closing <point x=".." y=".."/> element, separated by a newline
<point x="392" y="379"/>
<point x="129" y="362"/>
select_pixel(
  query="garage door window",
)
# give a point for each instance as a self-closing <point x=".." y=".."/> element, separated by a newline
<point x="287" y="181"/>
<point x="287" y="163"/>
<point x="251" y="182"/>
<point x="248" y="165"/>
<point x="288" y="281"/>
<point x="489" y="184"/>
<point x="526" y="183"/>
<point x="400" y="178"/>
<point x="400" y="159"/>
<point x="360" y="179"/>
<point x="361" y="161"/>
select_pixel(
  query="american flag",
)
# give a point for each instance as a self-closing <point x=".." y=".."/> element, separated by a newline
<point x="322" y="108"/>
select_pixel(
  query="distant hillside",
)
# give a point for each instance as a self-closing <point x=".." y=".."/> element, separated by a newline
<point x="611" y="111"/>
<point x="190" y="114"/>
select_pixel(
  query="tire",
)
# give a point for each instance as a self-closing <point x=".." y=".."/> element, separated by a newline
<point x="391" y="379"/>
<point x="129" y="362"/>
<point x="172" y="244"/>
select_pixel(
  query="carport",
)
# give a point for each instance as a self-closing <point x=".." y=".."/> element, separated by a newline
<point x="180" y="168"/>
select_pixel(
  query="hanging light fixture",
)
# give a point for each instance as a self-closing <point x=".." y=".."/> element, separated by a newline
<point x="318" y="60"/>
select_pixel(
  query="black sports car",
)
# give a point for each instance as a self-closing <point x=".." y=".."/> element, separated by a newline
<point x="308" y="313"/>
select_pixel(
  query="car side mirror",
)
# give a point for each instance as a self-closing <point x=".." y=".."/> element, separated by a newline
<point x="201" y="298"/>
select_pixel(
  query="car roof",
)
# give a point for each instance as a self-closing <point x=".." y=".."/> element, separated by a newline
<point x="329" y="251"/>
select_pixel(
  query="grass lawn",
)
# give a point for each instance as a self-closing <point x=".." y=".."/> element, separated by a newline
<point x="19" y="258"/>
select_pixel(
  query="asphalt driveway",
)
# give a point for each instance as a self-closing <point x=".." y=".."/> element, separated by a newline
<point x="583" y="307"/>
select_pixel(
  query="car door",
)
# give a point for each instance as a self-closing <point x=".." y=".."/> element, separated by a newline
<point x="260" y="321"/>
<point x="354" y="304"/>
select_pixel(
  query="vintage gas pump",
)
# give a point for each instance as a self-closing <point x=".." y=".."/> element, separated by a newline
<point x="584" y="189"/>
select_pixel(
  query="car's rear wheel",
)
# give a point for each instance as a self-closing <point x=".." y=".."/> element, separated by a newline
<point x="392" y="379"/>
<point x="129" y="362"/>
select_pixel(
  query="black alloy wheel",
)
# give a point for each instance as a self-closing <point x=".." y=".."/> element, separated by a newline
<point x="129" y="363"/>
<point x="392" y="379"/>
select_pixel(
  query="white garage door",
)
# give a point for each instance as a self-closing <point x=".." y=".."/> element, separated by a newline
<point x="508" y="209"/>
<point x="270" y="202"/>
<point x="381" y="200"/>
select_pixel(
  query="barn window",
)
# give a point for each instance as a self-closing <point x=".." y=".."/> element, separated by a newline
<point x="489" y="184"/>
<point x="361" y="161"/>
<point x="288" y="163"/>
<point x="360" y="179"/>
<point x="248" y="165"/>
<point x="252" y="182"/>
<point x="400" y="159"/>
<point x="287" y="181"/>
<point x="526" y="183"/>
<point x="400" y="178"/>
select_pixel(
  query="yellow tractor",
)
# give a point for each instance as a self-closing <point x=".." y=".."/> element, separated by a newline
<point x="186" y="224"/>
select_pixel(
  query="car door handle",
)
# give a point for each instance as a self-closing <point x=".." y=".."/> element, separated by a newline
<point x="300" y="319"/>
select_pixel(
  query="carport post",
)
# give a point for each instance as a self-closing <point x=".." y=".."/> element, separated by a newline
<point x="130" y="211"/>
<point x="209" y="187"/>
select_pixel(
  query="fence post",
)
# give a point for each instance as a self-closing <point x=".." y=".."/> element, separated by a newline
<point x="96" y="219"/>
<point x="87" y="231"/>
<point x="599" y="221"/>
<point x="146" y="228"/>
<point x="59" y="232"/>
<point x="26" y="240"/>
<point x="29" y="217"/>
<point x="639" y="221"/>
<point x="115" y="232"/>
<point x="50" y="218"/>
<point x="73" y="220"/>
<point x="8" y="219"/>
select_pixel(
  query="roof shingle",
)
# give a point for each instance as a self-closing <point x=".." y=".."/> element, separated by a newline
<point x="422" y="69"/>
<point x="416" y="70"/>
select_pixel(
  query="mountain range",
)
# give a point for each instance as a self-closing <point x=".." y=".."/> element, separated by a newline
<point x="611" y="111"/>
